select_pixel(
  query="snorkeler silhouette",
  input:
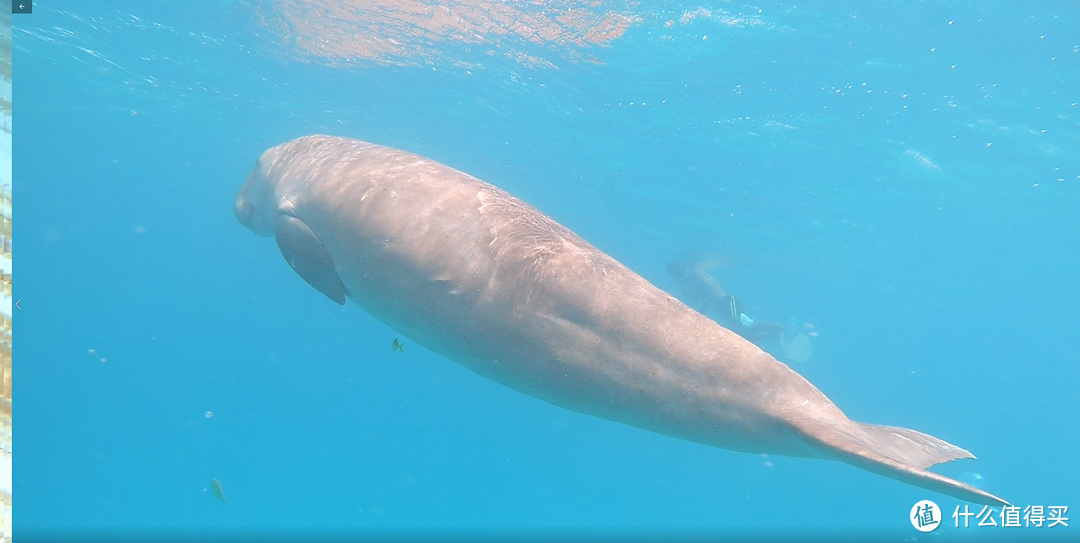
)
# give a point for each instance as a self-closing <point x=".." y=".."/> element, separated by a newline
<point x="704" y="293"/>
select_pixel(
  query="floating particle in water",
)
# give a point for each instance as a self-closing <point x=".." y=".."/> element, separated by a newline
<point x="974" y="479"/>
<point x="209" y="414"/>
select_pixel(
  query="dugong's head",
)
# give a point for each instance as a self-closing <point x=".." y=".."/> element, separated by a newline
<point x="266" y="205"/>
<point x="255" y="206"/>
<point x="283" y="175"/>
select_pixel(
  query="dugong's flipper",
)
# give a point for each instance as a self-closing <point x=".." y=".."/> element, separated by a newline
<point x="897" y="453"/>
<point x="307" y="256"/>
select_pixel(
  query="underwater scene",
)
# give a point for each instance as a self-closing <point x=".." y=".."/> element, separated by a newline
<point x="519" y="270"/>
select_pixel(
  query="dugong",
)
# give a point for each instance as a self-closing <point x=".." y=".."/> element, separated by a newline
<point x="482" y="278"/>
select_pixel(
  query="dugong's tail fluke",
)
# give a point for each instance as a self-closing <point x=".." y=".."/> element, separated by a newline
<point x="910" y="447"/>
<point x="901" y="454"/>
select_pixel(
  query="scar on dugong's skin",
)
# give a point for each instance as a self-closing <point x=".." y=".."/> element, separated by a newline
<point x="487" y="281"/>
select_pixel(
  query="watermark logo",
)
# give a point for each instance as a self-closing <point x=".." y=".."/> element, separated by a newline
<point x="1013" y="516"/>
<point x="925" y="516"/>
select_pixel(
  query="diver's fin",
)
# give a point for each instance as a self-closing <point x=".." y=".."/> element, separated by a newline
<point x="307" y="256"/>
<point x="901" y="454"/>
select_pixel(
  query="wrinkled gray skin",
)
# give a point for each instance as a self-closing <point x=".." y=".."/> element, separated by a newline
<point x="482" y="278"/>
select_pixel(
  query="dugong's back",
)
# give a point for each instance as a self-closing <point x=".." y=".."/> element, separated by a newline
<point x="486" y="280"/>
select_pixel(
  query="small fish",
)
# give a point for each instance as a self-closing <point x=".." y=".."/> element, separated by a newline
<point x="398" y="347"/>
<point x="216" y="485"/>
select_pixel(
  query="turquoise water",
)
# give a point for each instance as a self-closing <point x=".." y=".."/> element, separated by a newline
<point x="903" y="177"/>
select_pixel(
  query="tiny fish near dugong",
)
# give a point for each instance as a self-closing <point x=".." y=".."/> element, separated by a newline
<point x="482" y="278"/>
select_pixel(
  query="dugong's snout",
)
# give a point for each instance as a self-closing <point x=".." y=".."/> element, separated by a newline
<point x="248" y="215"/>
<point x="245" y="213"/>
